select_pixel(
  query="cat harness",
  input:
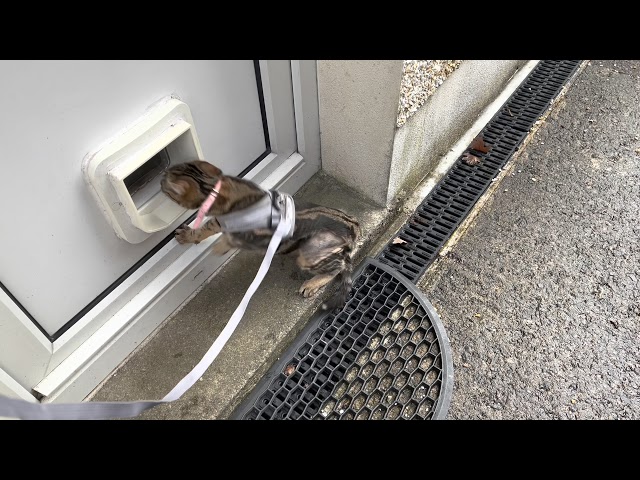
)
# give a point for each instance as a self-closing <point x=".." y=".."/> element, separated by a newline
<point x="265" y="213"/>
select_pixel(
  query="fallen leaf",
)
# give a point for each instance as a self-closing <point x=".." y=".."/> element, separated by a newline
<point x="470" y="159"/>
<point x="289" y="370"/>
<point x="479" y="145"/>
<point x="398" y="240"/>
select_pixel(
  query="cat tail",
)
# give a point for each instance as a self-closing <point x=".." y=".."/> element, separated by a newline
<point x="345" y="281"/>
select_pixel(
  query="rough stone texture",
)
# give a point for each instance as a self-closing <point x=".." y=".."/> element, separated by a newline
<point x="540" y="298"/>
<point x="420" y="78"/>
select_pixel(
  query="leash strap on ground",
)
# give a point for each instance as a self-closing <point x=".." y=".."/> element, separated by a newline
<point x="15" y="408"/>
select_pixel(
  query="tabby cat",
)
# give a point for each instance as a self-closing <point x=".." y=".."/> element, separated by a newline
<point x="323" y="239"/>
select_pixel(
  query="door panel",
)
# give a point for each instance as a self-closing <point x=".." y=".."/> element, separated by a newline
<point x="250" y="121"/>
<point x="55" y="112"/>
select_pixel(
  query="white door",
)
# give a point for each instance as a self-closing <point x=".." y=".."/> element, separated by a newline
<point x="75" y="298"/>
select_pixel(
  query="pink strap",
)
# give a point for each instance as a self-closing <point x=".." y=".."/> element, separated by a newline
<point x="206" y="205"/>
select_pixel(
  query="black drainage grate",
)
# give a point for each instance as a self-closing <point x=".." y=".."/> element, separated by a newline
<point x="384" y="356"/>
<point x="417" y="243"/>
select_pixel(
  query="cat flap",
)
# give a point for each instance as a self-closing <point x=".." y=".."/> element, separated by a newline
<point x="123" y="174"/>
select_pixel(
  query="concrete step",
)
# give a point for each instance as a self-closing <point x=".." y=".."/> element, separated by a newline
<point x="276" y="314"/>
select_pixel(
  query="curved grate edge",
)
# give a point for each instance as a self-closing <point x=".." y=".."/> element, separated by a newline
<point x="386" y="355"/>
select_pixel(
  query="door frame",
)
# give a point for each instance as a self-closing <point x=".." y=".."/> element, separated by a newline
<point x="70" y="367"/>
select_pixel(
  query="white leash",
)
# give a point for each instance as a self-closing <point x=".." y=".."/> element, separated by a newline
<point x="15" y="408"/>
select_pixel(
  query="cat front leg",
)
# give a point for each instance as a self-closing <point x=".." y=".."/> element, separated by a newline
<point x="186" y="234"/>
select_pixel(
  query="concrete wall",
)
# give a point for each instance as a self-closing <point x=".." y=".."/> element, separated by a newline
<point x="360" y="143"/>
<point x="427" y="135"/>
<point x="358" y="105"/>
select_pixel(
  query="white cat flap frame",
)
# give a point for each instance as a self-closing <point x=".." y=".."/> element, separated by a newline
<point x="166" y="128"/>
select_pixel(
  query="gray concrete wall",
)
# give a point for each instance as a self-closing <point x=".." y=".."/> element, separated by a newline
<point x="428" y="135"/>
<point x="358" y="104"/>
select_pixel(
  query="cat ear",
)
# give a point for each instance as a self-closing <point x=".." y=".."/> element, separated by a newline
<point x="179" y="187"/>
<point x="208" y="168"/>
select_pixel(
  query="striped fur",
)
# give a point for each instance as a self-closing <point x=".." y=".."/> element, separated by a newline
<point x="323" y="240"/>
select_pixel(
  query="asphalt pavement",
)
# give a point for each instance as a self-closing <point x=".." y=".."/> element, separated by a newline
<point x="540" y="295"/>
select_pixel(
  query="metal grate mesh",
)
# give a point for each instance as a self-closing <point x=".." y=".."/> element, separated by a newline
<point x="448" y="203"/>
<point x="384" y="356"/>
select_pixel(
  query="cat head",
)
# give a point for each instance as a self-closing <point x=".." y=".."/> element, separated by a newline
<point x="188" y="184"/>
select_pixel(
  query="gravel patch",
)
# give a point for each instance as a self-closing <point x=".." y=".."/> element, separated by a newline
<point x="420" y="79"/>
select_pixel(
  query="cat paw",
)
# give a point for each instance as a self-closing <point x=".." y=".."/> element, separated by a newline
<point x="308" y="289"/>
<point x="185" y="234"/>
